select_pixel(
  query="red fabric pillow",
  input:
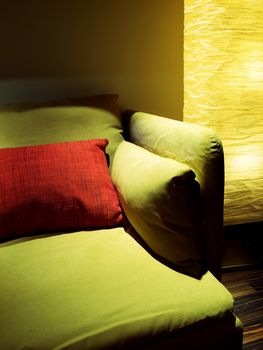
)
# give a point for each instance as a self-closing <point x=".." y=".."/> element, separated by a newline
<point x="56" y="187"/>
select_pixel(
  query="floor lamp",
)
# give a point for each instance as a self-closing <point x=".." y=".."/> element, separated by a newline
<point x="223" y="89"/>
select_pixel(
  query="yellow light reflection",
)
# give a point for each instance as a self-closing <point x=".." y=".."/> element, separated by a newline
<point x="223" y="89"/>
<point x="247" y="164"/>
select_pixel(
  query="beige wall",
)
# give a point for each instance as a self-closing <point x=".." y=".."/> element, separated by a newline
<point x="52" y="48"/>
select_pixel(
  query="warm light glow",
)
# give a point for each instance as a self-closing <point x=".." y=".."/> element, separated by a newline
<point x="248" y="165"/>
<point x="254" y="70"/>
<point x="223" y="87"/>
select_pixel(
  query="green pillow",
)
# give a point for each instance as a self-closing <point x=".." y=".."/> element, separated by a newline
<point x="161" y="199"/>
<point x="61" y="121"/>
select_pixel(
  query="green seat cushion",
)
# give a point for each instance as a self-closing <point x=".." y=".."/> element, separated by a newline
<point x="96" y="289"/>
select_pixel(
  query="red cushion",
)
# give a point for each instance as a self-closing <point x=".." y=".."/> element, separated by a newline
<point x="56" y="187"/>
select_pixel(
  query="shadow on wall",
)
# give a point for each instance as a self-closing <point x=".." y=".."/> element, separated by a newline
<point x="57" y="48"/>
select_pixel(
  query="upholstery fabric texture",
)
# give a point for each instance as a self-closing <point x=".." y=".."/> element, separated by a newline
<point x="98" y="290"/>
<point x="56" y="187"/>
<point x="61" y="121"/>
<point x="161" y="199"/>
<point x="199" y="148"/>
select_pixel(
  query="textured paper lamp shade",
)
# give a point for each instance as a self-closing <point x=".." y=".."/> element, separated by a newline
<point x="223" y="89"/>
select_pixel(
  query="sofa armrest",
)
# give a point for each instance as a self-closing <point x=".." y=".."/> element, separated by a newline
<point x="161" y="199"/>
<point x="199" y="148"/>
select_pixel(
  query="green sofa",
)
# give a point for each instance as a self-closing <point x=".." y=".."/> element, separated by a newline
<point x="152" y="282"/>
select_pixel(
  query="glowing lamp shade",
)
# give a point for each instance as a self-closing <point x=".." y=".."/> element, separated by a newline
<point x="223" y="89"/>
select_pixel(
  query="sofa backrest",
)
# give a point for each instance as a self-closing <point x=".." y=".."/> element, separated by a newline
<point x="62" y="121"/>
